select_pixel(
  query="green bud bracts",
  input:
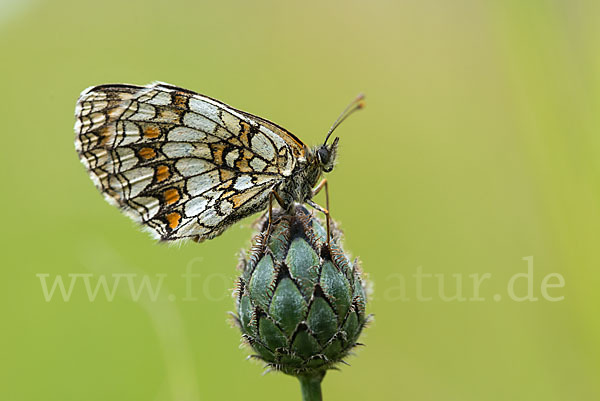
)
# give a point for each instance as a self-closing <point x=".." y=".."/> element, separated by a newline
<point x="301" y="307"/>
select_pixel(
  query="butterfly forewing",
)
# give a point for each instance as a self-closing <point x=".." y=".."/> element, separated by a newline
<point x="182" y="164"/>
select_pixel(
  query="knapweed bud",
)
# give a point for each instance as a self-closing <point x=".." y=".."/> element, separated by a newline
<point x="300" y="305"/>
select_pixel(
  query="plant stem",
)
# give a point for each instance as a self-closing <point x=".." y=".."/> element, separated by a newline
<point x="311" y="386"/>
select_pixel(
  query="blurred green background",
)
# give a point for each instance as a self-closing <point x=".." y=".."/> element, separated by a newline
<point x="478" y="147"/>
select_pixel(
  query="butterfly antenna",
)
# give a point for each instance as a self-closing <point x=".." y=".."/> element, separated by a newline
<point x="357" y="104"/>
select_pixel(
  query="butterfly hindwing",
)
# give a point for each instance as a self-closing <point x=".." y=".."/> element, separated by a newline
<point x="182" y="164"/>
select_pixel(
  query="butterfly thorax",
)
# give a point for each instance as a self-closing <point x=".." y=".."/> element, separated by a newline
<point x="299" y="185"/>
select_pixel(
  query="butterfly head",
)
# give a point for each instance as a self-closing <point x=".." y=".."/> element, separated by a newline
<point x="327" y="154"/>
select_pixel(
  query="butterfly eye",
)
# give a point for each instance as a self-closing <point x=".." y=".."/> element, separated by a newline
<point x="323" y="155"/>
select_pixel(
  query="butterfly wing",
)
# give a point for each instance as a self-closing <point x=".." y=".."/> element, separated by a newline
<point x="182" y="164"/>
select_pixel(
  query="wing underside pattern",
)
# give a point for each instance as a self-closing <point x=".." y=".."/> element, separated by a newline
<point x="182" y="164"/>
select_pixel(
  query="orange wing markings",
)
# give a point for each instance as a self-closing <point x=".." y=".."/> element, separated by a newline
<point x="242" y="197"/>
<point x="173" y="220"/>
<point x="162" y="173"/>
<point x="151" y="131"/>
<point x="226" y="175"/>
<point x="147" y="153"/>
<point x="171" y="196"/>
<point x="180" y="99"/>
<point x="243" y="135"/>
<point x="217" y="152"/>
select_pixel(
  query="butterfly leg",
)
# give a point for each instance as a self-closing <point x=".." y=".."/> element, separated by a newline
<point x="326" y="212"/>
<point x="315" y="191"/>
<point x="318" y="188"/>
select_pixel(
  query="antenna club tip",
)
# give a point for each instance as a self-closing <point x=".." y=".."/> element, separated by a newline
<point x="356" y="104"/>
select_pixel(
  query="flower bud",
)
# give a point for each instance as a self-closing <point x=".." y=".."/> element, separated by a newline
<point x="300" y="305"/>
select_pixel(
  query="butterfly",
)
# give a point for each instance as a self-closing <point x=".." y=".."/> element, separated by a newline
<point x="187" y="166"/>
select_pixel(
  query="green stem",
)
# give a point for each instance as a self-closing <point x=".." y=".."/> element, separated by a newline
<point x="311" y="386"/>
